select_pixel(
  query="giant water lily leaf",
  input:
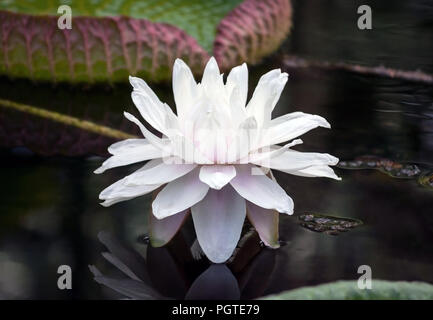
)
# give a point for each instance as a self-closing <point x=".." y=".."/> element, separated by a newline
<point x="348" y="290"/>
<point x="111" y="39"/>
<point x="327" y="224"/>
<point x="198" y="18"/>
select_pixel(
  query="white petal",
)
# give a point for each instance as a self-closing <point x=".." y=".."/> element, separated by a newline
<point x="128" y="152"/>
<point x="151" y="108"/>
<point x="218" y="221"/>
<point x="162" y="231"/>
<point x="184" y="88"/>
<point x="155" y="114"/>
<point x="127" y="145"/>
<point x="161" y="173"/>
<point x="295" y="160"/>
<point x="261" y="190"/>
<point x="210" y="134"/>
<point x="266" y="96"/>
<point x="213" y="87"/>
<point x="265" y="222"/>
<point x="247" y="136"/>
<point x="217" y="176"/>
<point x="238" y="78"/>
<point x="211" y="75"/>
<point x="290" y="126"/>
<point x="119" y="191"/>
<point x="179" y="195"/>
<point x="237" y="107"/>
<point x="315" y="171"/>
<point x="275" y="151"/>
<point x="140" y="85"/>
<point x="153" y="139"/>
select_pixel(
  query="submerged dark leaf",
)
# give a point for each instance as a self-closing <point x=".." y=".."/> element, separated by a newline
<point x="327" y="224"/>
<point x="390" y="167"/>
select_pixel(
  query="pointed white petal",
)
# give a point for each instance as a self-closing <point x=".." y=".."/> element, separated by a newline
<point x="218" y="221"/>
<point x="153" y="139"/>
<point x="162" y="231"/>
<point x="261" y="190"/>
<point x="237" y="107"/>
<point x="295" y="160"/>
<point x="238" y="78"/>
<point x="155" y="114"/>
<point x="315" y="171"/>
<point x="275" y="151"/>
<point x="266" y="96"/>
<point x="140" y="85"/>
<point x="184" y="88"/>
<point x="265" y="222"/>
<point x="179" y="195"/>
<point x="247" y="136"/>
<point x="161" y="173"/>
<point x="128" y="152"/>
<point x="213" y="87"/>
<point x="217" y="176"/>
<point x="159" y="115"/>
<point x="119" y="191"/>
<point x="290" y="126"/>
<point x="127" y="145"/>
<point x="211" y="74"/>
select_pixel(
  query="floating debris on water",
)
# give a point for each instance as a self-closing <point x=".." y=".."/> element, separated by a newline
<point x="390" y="167"/>
<point x="426" y="180"/>
<point x="328" y="224"/>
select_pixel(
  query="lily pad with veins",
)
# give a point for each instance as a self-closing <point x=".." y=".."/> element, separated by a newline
<point x="110" y="40"/>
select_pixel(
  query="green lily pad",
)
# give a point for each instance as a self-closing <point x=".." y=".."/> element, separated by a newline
<point x="327" y="224"/>
<point x="198" y="18"/>
<point x="110" y="40"/>
<point x="348" y="290"/>
<point x="390" y="167"/>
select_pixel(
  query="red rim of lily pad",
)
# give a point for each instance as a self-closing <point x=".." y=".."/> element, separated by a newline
<point x="108" y="49"/>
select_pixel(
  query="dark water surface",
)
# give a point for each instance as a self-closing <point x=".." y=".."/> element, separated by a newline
<point x="49" y="211"/>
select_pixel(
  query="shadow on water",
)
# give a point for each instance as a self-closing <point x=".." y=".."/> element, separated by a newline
<point x="49" y="211"/>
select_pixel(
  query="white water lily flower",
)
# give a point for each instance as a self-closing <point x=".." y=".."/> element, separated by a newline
<point x="212" y="157"/>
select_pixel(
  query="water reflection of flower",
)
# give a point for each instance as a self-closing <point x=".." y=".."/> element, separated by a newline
<point x="214" y="157"/>
<point x="174" y="271"/>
